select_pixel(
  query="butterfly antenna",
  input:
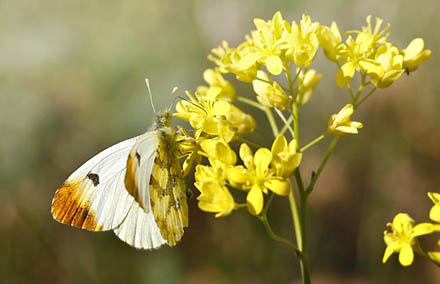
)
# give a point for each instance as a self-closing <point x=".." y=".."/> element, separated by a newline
<point x="147" y="82"/>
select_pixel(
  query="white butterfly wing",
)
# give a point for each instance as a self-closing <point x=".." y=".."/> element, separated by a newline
<point x="139" y="229"/>
<point x="94" y="196"/>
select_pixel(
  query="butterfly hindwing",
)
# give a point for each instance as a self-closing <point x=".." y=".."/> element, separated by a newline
<point x="94" y="196"/>
<point x="167" y="189"/>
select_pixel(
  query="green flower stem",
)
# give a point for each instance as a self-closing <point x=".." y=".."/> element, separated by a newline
<point x="286" y="123"/>
<point x="305" y="272"/>
<point x="315" y="177"/>
<point x="289" y="121"/>
<point x="267" y="110"/>
<point x="296" y="220"/>
<point x="274" y="236"/>
<point x="365" y="97"/>
<point x="312" y="143"/>
<point x="299" y="220"/>
<point x="263" y="218"/>
<point x="295" y="122"/>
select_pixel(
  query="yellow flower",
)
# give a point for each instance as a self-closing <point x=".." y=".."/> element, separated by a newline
<point x="235" y="60"/>
<point x="307" y="82"/>
<point x="355" y="55"/>
<point x="285" y="159"/>
<point x="358" y="54"/>
<point x="414" y="55"/>
<point x="206" y="114"/>
<point x="340" y="123"/>
<point x="402" y="239"/>
<point x="215" y="198"/>
<point x="242" y="123"/>
<point x="434" y="214"/>
<point x="369" y="38"/>
<point x="215" y="80"/>
<point x="266" y="41"/>
<point x="329" y="39"/>
<point x="189" y="148"/>
<point x="210" y="180"/>
<point x="301" y="41"/>
<point x="256" y="177"/>
<point x="271" y="95"/>
<point x="217" y="149"/>
<point x="390" y="68"/>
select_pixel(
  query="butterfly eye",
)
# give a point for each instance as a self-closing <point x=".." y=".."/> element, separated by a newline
<point x="189" y="193"/>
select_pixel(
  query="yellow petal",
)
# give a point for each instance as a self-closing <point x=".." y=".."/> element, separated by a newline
<point x="388" y="252"/>
<point x="279" y="144"/>
<point x="345" y="74"/>
<point x="262" y="160"/>
<point x="422" y="229"/>
<point x="406" y="255"/>
<point x="278" y="186"/>
<point x="435" y="256"/>
<point x="414" y="48"/>
<point x="247" y="61"/>
<point x="221" y="108"/>
<point x="435" y="197"/>
<point x="255" y="200"/>
<point x="246" y="155"/>
<point x="434" y="213"/>
<point x="274" y="64"/>
<point x="237" y="175"/>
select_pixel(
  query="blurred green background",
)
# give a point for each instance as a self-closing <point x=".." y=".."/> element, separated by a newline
<point x="71" y="84"/>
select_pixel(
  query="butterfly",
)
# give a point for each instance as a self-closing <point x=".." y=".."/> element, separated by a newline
<point x="135" y="188"/>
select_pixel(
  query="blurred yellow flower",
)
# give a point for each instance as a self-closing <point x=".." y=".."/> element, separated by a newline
<point x="340" y="123"/>
<point x="391" y="66"/>
<point x="285" y="159"/>
<point x="414" y="54"/>
<point x="235" y="60"/>
<point x="270" y="94"/>
<point x="242" y="123"/>
<point x="301" y="41"/>
<point x="402" y="239"/>
<point x="256" y="177"/>
<point x="434" y="213"/>
<point x="329" y="39"/>
<point x="215" y="80"/>
<point x="355" y="56"/>
<point x="307" y="82"/>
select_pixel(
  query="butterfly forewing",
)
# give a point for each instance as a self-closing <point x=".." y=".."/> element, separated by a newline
<point x="94" y="196"/>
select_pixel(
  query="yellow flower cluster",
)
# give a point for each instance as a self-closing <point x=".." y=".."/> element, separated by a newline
<point x="276" y="46"/>
<point x="275" y="59"/>
<point x="403" y="237"/>
<point x="369" y="53"/>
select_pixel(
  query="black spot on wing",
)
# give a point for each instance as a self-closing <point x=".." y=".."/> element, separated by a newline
<point x="138" y="158"/>
<point x="94" y="178"/>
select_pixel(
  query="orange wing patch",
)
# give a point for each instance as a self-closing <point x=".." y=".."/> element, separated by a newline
<point x="168" y="193"/>
<point x="70" y="206"/>
<point x="130" y="176"/>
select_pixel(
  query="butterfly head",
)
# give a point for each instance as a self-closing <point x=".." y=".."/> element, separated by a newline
<point x="162" y="120"/>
